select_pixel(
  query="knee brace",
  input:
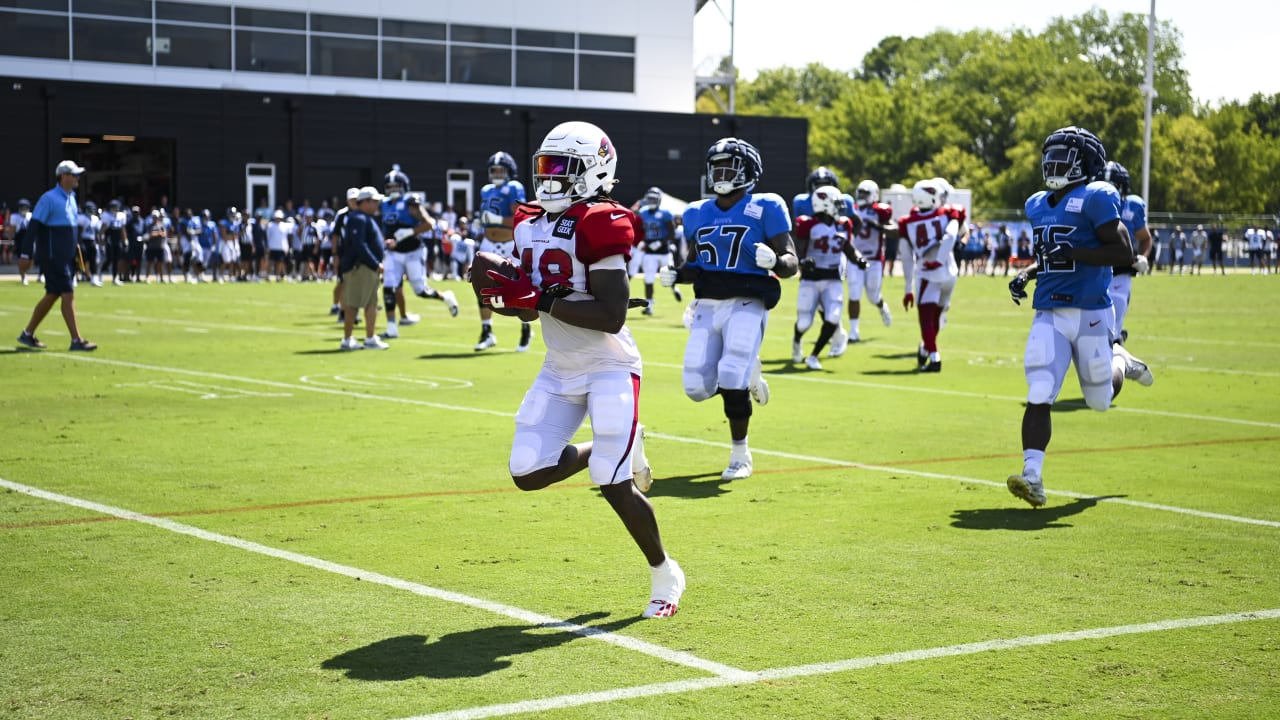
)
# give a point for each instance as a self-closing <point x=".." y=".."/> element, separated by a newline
<point x="737" y="404"/>
<point x="389" y="299"/>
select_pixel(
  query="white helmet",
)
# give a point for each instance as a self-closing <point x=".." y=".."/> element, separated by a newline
<point x="926" y="196"/>
<point x="944" y="190"/>
<point x="575" y="161"/>
<point x="827" y="199"/>
<point x="867" y="193"/>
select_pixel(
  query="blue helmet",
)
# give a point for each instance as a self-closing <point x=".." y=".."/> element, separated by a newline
<point x="1117" y="175"/>
<point x="742" y="172"/>
<point x="1071" y="155"/>
<point x="396" y="183"/>
<point x="502" y="167"/>
<point x="822" y="177"/>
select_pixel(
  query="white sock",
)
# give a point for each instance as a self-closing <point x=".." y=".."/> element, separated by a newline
<point x="853" y="326"/>
<point x="1032" y="462"/>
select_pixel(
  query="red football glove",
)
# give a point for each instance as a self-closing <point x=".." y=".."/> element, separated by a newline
<point x="908" y="300"/>
<point x="518" y="293"/>
<point x="932" y="264"/>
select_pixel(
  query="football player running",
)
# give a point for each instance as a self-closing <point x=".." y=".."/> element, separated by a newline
<point x="573" y="251"/>
<point x="1079" y="237"/>
<point x="1133" y="214"/>
<point x="802" y="204"/>
<point x="498" y="202"/>
<point x="738" y="240"/>
<point x="822" y="243"/>
<point x="927" y="239"/>
<point x="876" y="222"/>
<point x="404" y="219"/>
<point x="657" y="245"/>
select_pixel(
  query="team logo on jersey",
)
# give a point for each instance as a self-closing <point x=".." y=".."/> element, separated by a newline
<point x="564" y="227"/>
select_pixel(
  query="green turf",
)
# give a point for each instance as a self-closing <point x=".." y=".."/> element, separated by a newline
<point x="876" y="525"/>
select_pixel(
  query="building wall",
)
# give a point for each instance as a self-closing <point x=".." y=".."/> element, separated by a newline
<point x="323" y="144"/>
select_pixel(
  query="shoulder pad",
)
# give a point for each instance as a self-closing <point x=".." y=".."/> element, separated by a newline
<point x="527" y="211"/>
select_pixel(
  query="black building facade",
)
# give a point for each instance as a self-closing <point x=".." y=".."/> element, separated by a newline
<point x="190" y="148"/>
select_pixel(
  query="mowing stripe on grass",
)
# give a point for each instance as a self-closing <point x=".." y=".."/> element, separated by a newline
<point x="676" y="438"/>
<point x="640" y="646"/>
<point x="827" y="668"/>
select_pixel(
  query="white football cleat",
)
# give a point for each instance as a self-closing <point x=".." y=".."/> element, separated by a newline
<point x="1134" y="369"/>
<point x="1028" y="487"/>
<point x="487" y="340"/>
<point x="410" y="319"/>
<point x="374" y="343"/>
<point x="758" y="386"/>
<point x="350" y="344"/>
<point x="392" y="332"/>
<point x="812" y="363"/>
<point x="666" y="588"/>
<point x="797" y="353"/>
<point x="739" y="467"/>
<point x="885" y="316"/>
<point x="641" y="473"/>
<point x="450" y="301"/>
<point x="839" y="342"/>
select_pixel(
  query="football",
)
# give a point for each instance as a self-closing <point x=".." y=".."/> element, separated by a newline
<point x="479" y="275"/>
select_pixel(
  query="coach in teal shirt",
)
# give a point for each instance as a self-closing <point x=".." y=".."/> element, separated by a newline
<point x="53" y="224"/>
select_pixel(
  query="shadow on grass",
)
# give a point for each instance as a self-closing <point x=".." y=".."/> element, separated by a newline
<point x="903" y="371"/>
<point x="458" y="355"/>
<point x="1023" y="518"/>
<point x="689" y="486"/>
<point x="471" y="653"/>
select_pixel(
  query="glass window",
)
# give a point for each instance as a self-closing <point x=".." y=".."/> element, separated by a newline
<point x="606" y="72"/>
<point x="271" y="19"/>
<point x="344" y="57"/>
<point x="480" y="66"/>
<point x="420" y="62"/>
<point x="198" y="47"/>
<point x="112" y="41"/>
<point x="607" y="43"/>
<point x="187" y="12"/>
<point x="344" y="24"/>
<point x="119" y="8"/>
<point x="480" y="34"/>
<point x="42" y="36"/>
<point x="271" y="52"/>
<point x="413" y="30"/>
<point x="544" y="69"/>
<point x="542" y="38"/>
<point x="55" y="5"/>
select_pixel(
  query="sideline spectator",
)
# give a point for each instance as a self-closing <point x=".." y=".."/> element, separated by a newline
<point x="54" y="225"/>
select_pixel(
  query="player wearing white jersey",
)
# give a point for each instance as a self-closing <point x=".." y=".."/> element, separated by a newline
<point x="573" y="251"/>
<point x="822" y="244"/>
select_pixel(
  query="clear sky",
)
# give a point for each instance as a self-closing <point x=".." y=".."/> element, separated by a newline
<point x="1229" y="47"/>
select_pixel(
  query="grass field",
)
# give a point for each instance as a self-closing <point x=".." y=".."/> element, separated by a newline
<point x="219" y="515"/>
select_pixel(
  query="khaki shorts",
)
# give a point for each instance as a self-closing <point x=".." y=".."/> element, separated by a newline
<point x="360" y="287"/>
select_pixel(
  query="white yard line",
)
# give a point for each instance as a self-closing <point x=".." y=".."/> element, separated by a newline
<point x="532" y="618"/>
<point x="827" y="668"/>
<point x="676" y="438"/>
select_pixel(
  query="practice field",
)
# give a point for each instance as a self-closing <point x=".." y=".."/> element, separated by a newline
<point x="220" y="515"/>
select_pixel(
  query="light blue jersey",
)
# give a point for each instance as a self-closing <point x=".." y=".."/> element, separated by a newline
<point x="723" y="246"/>
<point x="659" y="226"/>
<point x="1072" y="220"/>
<point x="499" y="201"/>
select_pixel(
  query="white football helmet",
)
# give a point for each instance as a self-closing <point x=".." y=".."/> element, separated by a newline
<point x="575" y="161"/>
<point x="944" y="190"/>
<point x="827" y="199"/>
<point x="926" y="196"/>
<point x="867" y="193"/>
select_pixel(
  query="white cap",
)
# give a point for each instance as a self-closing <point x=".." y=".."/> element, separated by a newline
<point x="67" y="167"/>
<point x="278" y="215"/>
<point x="368" y="192"/>
<point x="352" y="192"/>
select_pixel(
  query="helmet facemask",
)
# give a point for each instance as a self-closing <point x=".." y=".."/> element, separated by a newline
<point x="1061" y="165"/>
<point x="557" y="180"/>
<point x="727" y="173"/>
